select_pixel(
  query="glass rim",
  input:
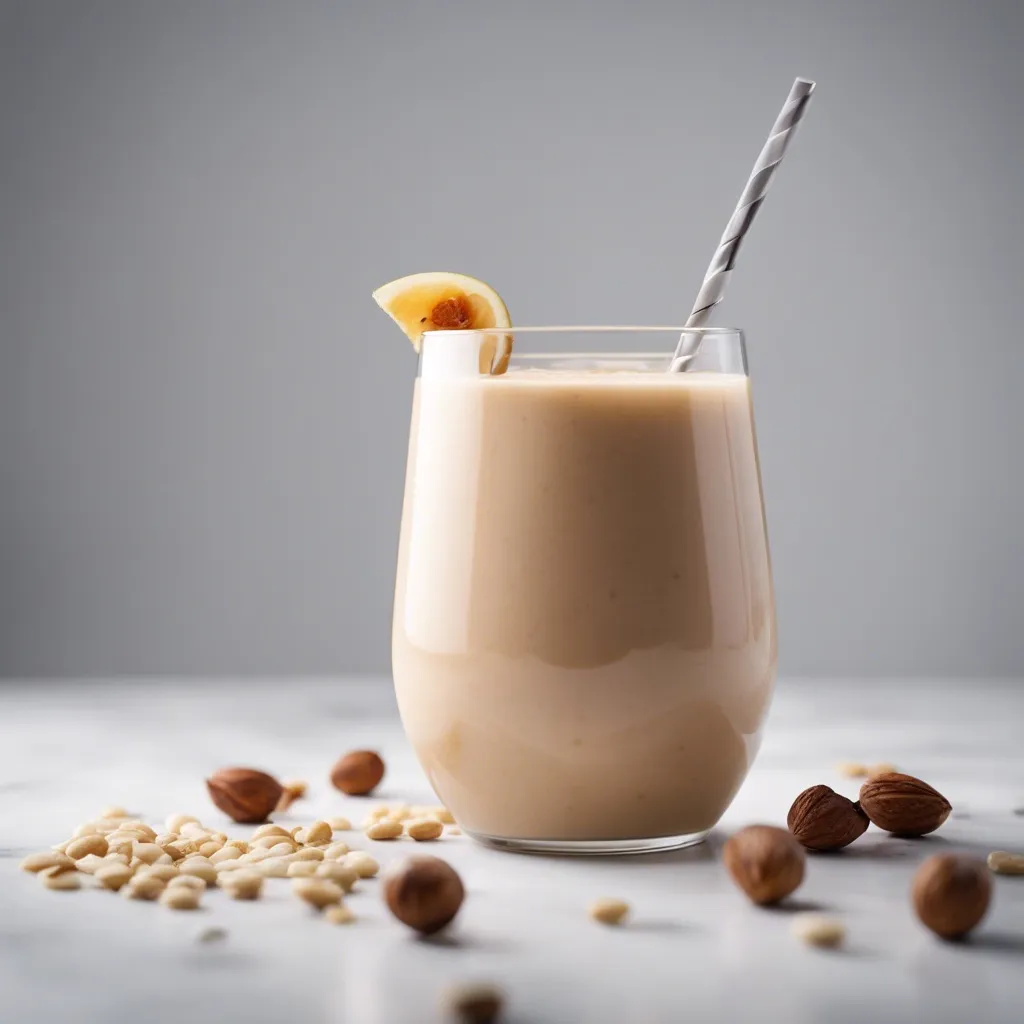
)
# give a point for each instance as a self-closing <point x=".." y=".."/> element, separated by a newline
<point x="585" y="329"/>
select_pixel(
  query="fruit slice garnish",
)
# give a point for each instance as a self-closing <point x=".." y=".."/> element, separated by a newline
<point x="441" y="301"/>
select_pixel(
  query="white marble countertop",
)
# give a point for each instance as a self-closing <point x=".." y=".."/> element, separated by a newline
<point x="694" y="950"/>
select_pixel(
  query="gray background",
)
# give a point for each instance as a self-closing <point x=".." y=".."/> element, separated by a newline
<point x="203" y="416"/>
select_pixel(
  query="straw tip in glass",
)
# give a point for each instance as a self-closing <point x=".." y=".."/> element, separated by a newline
<point x="805" y="85"/>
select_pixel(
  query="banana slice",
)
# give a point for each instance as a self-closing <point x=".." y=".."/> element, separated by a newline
<point x="441" y="301"/>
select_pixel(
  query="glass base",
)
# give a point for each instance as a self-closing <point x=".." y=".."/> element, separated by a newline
<point x="589" y="847"/>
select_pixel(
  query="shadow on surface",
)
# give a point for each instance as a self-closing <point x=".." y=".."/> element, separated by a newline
<point x="996" y="942"/>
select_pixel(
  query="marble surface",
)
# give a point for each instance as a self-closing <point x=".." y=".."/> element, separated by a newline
<point x="694" y="950"/>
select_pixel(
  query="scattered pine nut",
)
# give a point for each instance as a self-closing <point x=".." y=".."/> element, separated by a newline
<point x="308" y="853"/>
<point x="199" y="868"/>
<point x="881" y="769"/>
<point x="318" y="892"/>
<point x="609" y="911"/>
<point x="424" y="830"/>
<point x="302" y="868"/>
<point x="115" y="812"/>
<point x="243" y="885"/>
<point x="144" y="888"/>
<point x="454" y="830"/>
<point x="225" y="853"/>
<point x="1003" y="863"/>
<point x="180" y="898"/>
<point x="210" y="847"/>
<point x="113" y="876"/>
<point x="165" y="872"/>
<point x="277" y="867"/>
<point x="443" y="815"/>
<point x="384" y="830"/>
<point x="87" y="829"/>
<point x="817" y="930"/>
<point x="148" y="852"/>
<point x="852" y="769"/>
<point x="36" y="862"/>
<point x="176" y="822"/>
<point x="339" y="914"/>
<point x="93" y="844"/>
<point x="269" y="830"/>
<point x="334" y="870"/>
<point x="237" y="844"/>
<point x="362" y="864"/>
<point x="340" y="824"/>
<point x="90" y="863"/>
<point x="59" y="878"/>
<point x="336" y="851"/>
<point x="318" y="832"/>
<point x="186" y="882"/>
<point x="212" y="935"/>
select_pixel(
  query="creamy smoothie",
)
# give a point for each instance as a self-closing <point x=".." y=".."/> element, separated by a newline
<point x="584" y="631"/>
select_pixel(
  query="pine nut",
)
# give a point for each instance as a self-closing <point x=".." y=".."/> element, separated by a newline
<point x="443" y="815"/>
<point x="143" y="887"/>
<point x="362" y="864"/>
<point x="210" y="847"/>
<point x="269" y="830"/>
<point x="88" y="829"/>
<point x="308" y="853"/>
<point x="243" y="885"/>
<point x="275" y="867"/>
<point x="180" y="898"/>
<point x="92" y="844"/>
<point x="36" y="862"/>
<point x="186" y="882"/>
<point x="199" y="869"/>
<point x="384" y="830"/>
<point x="318" y="832"/>
<point x="609" y="911"/>
<point x="90" y="863"/>
<point x="148" y="852"/>
<point x="339" y="914"/>
<point x="317" y="892"/>
<point x="176" y="822"/>
<point x="424" y="830"/>
<point x="335" y="871"/>
<point x="1003" y="863"/>
<point x="115" y="812"/>
<point x="113" y="876"/>
<point x="816" y="930"/>
<point x="225" y="853"/>
<point x="59" y="878"/>
<point x="165" y="872"/>
<point x="853" y="769"/>
<point x="336" y="851"/>
<point x="302" y="868"/>
<point x="340" y="824"/>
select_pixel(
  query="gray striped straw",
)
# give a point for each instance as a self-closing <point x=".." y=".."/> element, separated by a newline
<point x="717" y="276"/>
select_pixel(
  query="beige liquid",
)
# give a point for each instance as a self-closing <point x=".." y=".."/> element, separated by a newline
<point x="584" y="632"/>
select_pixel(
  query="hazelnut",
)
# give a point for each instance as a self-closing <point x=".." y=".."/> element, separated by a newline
<point x="951" y="894"/>
<point x="903" y="805"/>
<point x="821" y="819"/>
<point x="767" y="863"/>
<point x="244" y="794"/>
<point x="358" y="773"/>
<point x="423" y="892"/>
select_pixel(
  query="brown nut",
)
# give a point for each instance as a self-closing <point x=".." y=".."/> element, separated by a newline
<point x="903" y="805"/>
<point x="244" y="794"/>
<point x="822" y="819"/>
<point x="767" y="863"/>
<point x="358" y="772"/>
<point x="479" y="1003"/>
<point x="423" y="892"/>
<point x="951" y="894"/>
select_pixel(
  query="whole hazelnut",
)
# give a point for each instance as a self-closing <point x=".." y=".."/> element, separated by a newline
<point x="822" y="819"/>
<point x="358" y="772"/>
<point x="423" y="892"/>
<point x="767" y="863"/>
<point x="951" y="894"/>
<point x="244" y="794"/>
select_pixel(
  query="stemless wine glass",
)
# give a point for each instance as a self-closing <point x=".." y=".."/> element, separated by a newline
<point x="584" y="642"/>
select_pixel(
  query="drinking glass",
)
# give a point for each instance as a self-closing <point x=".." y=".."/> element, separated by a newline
<point x="584" y="638"/>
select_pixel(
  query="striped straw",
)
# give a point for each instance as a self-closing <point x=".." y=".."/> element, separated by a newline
<point x="717" y="276"/>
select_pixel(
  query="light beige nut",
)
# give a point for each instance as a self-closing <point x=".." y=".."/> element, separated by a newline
<point x="59" y="878"/>
<point x="609" y="911"/>
<point x="61" y="847"/>
<point x="243" y="885"/>
<point x="185" y="847"/>
<point x="198" y="869"/>
<point x="93" y="844"/>
<point x="1004" y="863"/>
<point x="818" y="930"/>
<point x="853" y="769"/>
<point x="379" y="812"/>
<point x="164" y="858"/>
<point x="143" y="887"/>
<point x="424" y="830"/>
<point x="362" y="863"/>
<point x="225" y="853"/>
<point x="165" y="872"/>
<point x="238" y="844"/>
<point x="175" y="822"/>
<point x="138" y="826"/>
<point x="443" y="815"/>
<point x="281" y="850"/>
<point x="113" y="876"/>
<point x="148" y="852"/>
<point x="340" y="824"/>
<point x="339" y="914"/>
<point x="90" y="863"/>
<point x="319" y="832"/>
<point x="454" y="830"/>
<point x="336" y="851"/>
<point x="172" y="850"/>
<point x="884" y="768"/>
<point x="269" y="830"/>
<point x="210" y="847"/>
<point x="134" y="835"/>
<point x="318" y="892"/>
<point x="164" y="838"/>
<point x="85" y="829"/>
<point x="400" y="812"/>
<point x="302" y="868"/>
<point x="116" y="858"/>
<point x="186" y="882"/>
<point x="122" y="846"/>
<point x="194" y="830"/>
<point x="180" y="898"/>
<point x="36" y="862"/>
<point x="275" y="867"/>
<point x="308" y="853"/>
<point x="269" y="842"/>
<point x="212" y="935"/>
<point x="255" y="856"/>
<point x="334" y="870"/>
<point x="115" y="811"/>
<point x="384" y="830"/>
